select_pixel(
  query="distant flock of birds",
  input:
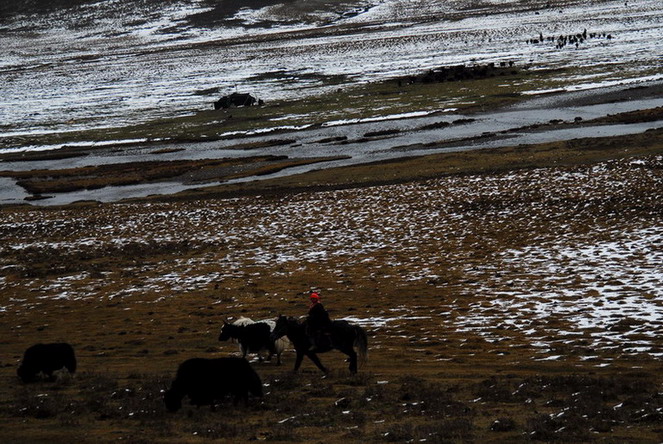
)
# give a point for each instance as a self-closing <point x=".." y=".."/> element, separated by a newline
<point x="204" y="381"/>
<point x="570" y="39"/>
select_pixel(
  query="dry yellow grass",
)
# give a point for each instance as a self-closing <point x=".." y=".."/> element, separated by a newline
<point x="499" y="294"/>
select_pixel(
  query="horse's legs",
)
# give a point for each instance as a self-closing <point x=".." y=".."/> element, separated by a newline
<point x="313" y="357"/>
<point x="298" y="360"/>
<point x="353" y="359"/>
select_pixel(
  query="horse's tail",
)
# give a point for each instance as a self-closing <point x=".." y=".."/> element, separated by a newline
<point x="361" y="342"/>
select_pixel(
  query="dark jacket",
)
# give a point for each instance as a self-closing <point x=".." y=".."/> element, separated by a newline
<point x="318" y="318"/>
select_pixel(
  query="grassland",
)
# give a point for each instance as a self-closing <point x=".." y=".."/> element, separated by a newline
<point x="509" y="296"/>
<point x="341" y="102"/>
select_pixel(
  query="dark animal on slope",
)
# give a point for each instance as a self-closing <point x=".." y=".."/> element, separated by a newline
<point x="207" y="381"/>
<point x="235" y="99"/>
<point x="253" y="337"/>
<point x="46" y="359"/>
<point x="344" y="337"/>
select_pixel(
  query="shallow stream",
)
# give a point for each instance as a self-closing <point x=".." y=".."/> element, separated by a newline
<point x="525" y="123"/>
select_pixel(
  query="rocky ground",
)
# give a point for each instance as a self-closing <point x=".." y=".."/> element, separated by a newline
<point x="510" y="305"/>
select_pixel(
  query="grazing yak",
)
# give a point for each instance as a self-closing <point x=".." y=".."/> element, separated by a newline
<point x="206" y="381"/>
<point x="235" y="99"/>
<point x="46" y="359"/>
<point x="254" y="337"/>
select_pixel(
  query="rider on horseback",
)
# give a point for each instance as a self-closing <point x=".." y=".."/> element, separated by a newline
<point x="318" y="323"/>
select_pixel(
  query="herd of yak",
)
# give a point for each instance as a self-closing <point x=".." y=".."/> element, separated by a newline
<point x="207" y="381"/>
<point x="563" y="40"/>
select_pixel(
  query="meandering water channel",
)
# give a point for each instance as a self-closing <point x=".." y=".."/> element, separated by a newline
<point x="525" y="123"/>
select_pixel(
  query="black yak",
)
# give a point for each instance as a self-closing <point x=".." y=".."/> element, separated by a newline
<point x="46" y="358"/>
<point x="205" y="381"/>
<point x="235" y="99"/>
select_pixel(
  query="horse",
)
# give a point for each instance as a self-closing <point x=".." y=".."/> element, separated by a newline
<point x="344" y="337"/>
<point x="254" y="337"/>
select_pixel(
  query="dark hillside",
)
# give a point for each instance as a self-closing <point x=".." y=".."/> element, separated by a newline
<point x="11" y="8"/>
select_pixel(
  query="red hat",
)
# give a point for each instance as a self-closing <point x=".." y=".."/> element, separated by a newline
<point x="315" y="295"/>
